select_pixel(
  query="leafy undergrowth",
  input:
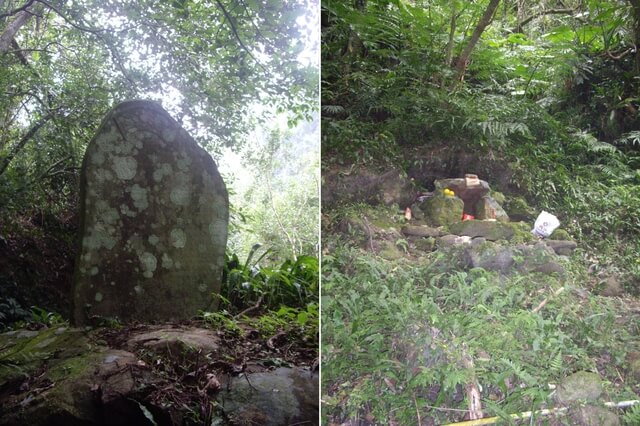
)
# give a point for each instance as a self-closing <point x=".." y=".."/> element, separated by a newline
<point x="398" y="338"/>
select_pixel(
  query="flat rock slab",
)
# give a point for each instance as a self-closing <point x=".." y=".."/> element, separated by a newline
<point x="491" y="230"/>
<point x="176" y="341"/>
<point x="284" y="396"/>
<point x="154" y="216"/>
<point x="562" y="247"/>
<point x="421" y="231"/>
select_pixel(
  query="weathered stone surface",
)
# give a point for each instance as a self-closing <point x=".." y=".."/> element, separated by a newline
<point x="488" y="208"/>
<point x="76" y="382"/>
<point x="421" y="231"/>
<point x="425" y="244"/>
<point x="562" y="247"/>
<point x="441" y="210"/>
<point x="611" y="287"/>
<point x="518" y="209"/>
<point x="452" y="240"/>
<point x="176" y="341"/>
<point x="285" y="396"/>
<point x="507" y="259"/>
<point x="492" y="257"/>
<point x="560" y="234"/>
<point x="491" y="230"/>
<point x="352" y="184"/>
<point x="580" y="386"/>
<point x="590" y="415"/>
<point x="470" y="195"/>
<point x="154" y="216"/>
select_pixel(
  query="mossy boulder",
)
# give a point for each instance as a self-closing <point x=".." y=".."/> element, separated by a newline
<point x="442" y="210"/>
<point x="580" y="386"/>
<point x="560" y="234"/>
<point x="518" y="209"/>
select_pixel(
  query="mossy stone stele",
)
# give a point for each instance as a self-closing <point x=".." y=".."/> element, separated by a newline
<point x="442" y="210"/>
<point x="153" y="220"/>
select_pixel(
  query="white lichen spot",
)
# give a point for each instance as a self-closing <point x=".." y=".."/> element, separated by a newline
<point x="202" y="287"/>
<point x="112" y="283"/>
<point x="167" y="263"/>
<point x="163" y="170"/>
<point x="183" y="163"/>
<point x="94" y="271"/>
<point x="125" y="167"/>
<point x="98" y="297"/>
<point x="180" y="195"/>
<point x="178" y="238"/>
<point x="138" y="289"/>
<point x="153" y="239"/>
<point x="125" y="210"/>
<point x="218" y="232"/>
<point x="147" y="274"/>
<point x="139" y="196"/>
<point x="148" y="263"/>
<point x="178" y="264"/>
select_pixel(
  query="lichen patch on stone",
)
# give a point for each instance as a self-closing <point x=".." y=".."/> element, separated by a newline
<point x="178" y="238"/>
<point x="125" y="167"/>
<point x="139" y="196"/>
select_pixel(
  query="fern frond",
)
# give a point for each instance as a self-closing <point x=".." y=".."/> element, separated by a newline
<point x="333" y="109"/>
<point x="632" y="138"/>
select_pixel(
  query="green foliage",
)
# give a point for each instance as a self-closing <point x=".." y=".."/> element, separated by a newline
<point x="398" y="332"/>
<point x="278" y="193"/>
<point x="11" y="311"/>
<point x="293" y="283"/>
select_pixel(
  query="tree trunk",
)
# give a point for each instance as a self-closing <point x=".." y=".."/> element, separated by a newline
<point x="636" y="33"/>
<point x="452" y="34"/>
<point x="485" y="20"/>
<point x="520" y="15"/>
<point x="12" y="28"/>
<point x="4" y="162"/>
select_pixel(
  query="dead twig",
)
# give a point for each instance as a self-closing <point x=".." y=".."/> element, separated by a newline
<point x="544" y="302"/>
<point x="250" y="308"/>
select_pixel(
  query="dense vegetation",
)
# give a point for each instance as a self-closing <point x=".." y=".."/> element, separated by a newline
<point x="544" y="93"/>
<point x="225" y="70"/>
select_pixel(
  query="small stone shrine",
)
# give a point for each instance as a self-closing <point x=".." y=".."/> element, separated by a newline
<point x="153" y="221"/>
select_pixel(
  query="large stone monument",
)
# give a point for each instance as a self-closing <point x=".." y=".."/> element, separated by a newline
<point x="153" y="220"/>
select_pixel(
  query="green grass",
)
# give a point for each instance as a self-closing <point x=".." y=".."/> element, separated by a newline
<point x="396" y="336"/>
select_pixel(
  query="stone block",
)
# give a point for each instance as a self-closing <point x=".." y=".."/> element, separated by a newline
<point x="153" y="220"/>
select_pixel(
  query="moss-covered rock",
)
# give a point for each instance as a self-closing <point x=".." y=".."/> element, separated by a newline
<point x="560" y="234"/>
<point x="518" y="209"/>
<point x="491" y="230"/>
<point x="580" y="386"/>
<point x="442" y="210"/>
<point x="489" y="208"/>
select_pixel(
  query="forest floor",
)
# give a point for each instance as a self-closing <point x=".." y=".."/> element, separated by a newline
<point x="409" y="333"/>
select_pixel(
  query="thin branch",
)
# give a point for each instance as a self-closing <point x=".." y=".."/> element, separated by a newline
<point x="15" y="11"/>
<point x="235" y="33"/>
<point x="525" y="21"/>
<point x="69" y="21"/>
<point x="23" y="141"/>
